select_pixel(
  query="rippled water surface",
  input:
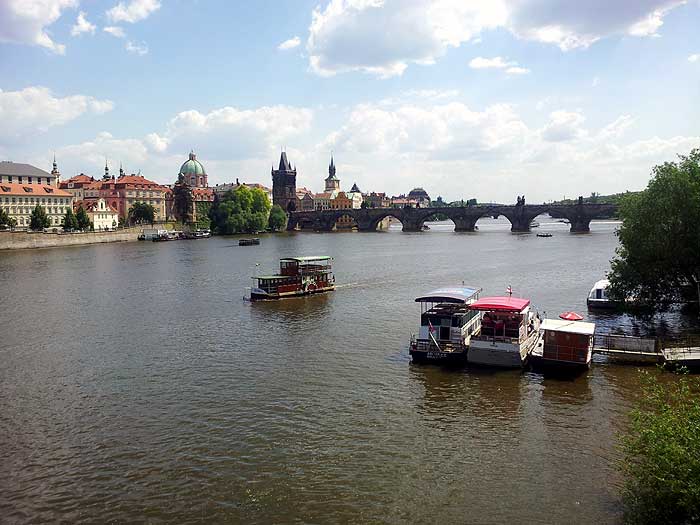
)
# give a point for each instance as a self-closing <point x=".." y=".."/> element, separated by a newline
<point x="137" y="385"/>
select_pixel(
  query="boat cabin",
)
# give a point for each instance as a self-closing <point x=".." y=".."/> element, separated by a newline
<point x="598" y="297"/>
<point x="566" y="342"/>
<point x="505" y="318"/>
<point x="446" y="323"/>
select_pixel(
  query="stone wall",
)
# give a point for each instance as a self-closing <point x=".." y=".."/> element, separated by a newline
<point x="23" y="240"/>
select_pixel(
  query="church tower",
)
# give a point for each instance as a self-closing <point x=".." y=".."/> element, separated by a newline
<point x="55" y="174"/>
<point x="284" y="185"/>
<point x="332" y="182"/>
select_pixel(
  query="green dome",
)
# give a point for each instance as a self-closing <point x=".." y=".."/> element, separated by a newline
<point x="192" y="166"/>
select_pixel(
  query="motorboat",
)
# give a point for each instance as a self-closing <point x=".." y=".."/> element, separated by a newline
<point x="509" y="331"/>
<point x="598" y="297"/>
<point x="446" y="325"/>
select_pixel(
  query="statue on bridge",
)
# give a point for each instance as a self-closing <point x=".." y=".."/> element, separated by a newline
<point x="521" y="201"/>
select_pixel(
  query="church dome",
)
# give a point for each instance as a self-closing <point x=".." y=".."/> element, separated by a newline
<point x="418" y="193"/>
<point x="192" y="166"/>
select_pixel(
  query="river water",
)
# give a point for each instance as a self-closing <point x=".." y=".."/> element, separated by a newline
<point x="137" y="385"/>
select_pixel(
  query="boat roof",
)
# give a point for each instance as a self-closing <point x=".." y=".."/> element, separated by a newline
<point x="307" y="258"/>
<point x="273" y="277"/>
<point x="500" y="304"/>
<point x="571" y="327"/>
<point x="456" y="294"/>
<point x="603" y="283"/>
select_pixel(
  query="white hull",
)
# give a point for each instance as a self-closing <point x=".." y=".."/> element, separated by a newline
<point x="499" y="354"/>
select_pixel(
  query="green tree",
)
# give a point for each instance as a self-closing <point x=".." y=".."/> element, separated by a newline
<point x="12" y="222"/>
<point x="658" y="260"/>
<point x="4" y="218"/>
<point x="241" y="210"/>
<point x="142" y="212"/>
<point x="70" y="222"/>
<point x="278" y="219"/>
<point x="660" y="461"/>
<point x="39" y="219"/>
<point x="182" y="201"/>
<point x="83" y="219"/>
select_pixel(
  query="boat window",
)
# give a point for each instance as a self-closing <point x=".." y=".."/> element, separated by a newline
<point x="599" y="293"/>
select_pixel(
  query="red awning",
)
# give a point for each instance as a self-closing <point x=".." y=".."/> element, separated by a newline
<point x="500" y="304"/>
<point x="571" y="316"/>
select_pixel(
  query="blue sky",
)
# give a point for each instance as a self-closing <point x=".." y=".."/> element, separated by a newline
<point x="486" y="99"/>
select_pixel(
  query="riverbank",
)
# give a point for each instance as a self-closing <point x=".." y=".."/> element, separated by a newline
<point x="27" y="240"/>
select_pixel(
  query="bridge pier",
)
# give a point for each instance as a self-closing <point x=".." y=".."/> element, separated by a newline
<point x="465" y="224"/>
<point x="580" y="224"/>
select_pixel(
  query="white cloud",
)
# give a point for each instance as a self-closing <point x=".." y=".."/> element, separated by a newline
<point x="511" y="68"/>
<point x="564" y="126"/>
<point x="92" y="153"/>
<point x="25" y="21"/>
<point x="82" y="26"/>
<point x="133" y="11"/>
<point x="136" y="48"/>
<point x="403" y="32"/>
<point x="115" y="31"/>
<point x="289" y="44"/>
<point x="37" y="109"/>
<point x="694" y="58"/>
<point x="231" y="133"/>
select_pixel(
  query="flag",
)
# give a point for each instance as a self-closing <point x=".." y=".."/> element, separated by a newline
<point x="509" y="290"/>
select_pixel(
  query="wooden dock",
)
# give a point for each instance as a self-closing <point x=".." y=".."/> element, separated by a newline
<point x="640" y="350"/>
<point x="682" y="356"/>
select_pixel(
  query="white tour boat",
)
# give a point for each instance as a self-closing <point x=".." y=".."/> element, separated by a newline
<point x="446" y="325"/>
<point x="508" y="332"/>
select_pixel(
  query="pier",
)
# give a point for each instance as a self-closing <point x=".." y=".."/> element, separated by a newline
<point x="464" y="217"/>
<point x="649" y="350"/>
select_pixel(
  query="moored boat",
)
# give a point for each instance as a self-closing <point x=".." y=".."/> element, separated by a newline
<point x="565" y="345"/>
<point x="598" y="297"/>
<point x="248" y="242"/>
<point x="298" y="276"/>
<point x="508" y="332"/>
<point x="447" y="325"/>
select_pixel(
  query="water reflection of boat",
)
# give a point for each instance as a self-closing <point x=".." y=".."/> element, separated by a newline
<point x="508" y="332"/>
<point x="446" y="325"/>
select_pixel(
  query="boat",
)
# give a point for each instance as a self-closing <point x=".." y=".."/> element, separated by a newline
<point x="298" y="276"/>
<point x="508" y="333"/>
<point x="598" y="297"/>
<point x="248" y="242"/>
<point x="446" y="325"/>
<point x="166" y="235"/>
<point x="564" y="345"/>
<point x="544" y="234"/>
<point x="534" y="224"/>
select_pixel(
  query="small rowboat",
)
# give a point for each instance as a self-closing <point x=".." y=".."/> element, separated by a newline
<point x="544" y="234"/>
<point x="248" y="242"/>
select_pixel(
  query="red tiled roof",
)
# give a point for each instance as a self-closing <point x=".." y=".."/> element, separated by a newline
<point x="28" y="190"/>
<point x="78" y="179"/>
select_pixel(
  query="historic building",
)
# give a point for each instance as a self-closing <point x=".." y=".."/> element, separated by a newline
<point x="377" y="200"/>
<point x="121" y="193"/>
<point x="16" y="172"/>
<point x="220" y="189"/>
<point x="191" y="181"/>
<point x="355" y="195"/>
<point x="332" y="182"/>
<point x="284" y="184"/>
<point x="102" y="215"/>
<point x="19" y="200"/>
<point x="75" y="185"/>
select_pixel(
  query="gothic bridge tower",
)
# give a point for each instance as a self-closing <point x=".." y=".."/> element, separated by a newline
<point x="284" y="185"/>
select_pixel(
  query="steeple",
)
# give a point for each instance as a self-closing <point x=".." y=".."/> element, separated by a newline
<point x="284" y="163"/>
<point x="121" y="170"/>
<point x="106" y="177"/>
<point x="56" y="174"/>
<point x="331" y="168"/>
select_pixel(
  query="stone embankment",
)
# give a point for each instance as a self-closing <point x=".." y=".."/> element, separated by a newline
<point x="24" y="240"/>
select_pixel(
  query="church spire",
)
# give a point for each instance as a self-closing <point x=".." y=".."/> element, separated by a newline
<point x="106" y="170"/>
<point x="121" y="170"/>
<point x="331" y="167"/>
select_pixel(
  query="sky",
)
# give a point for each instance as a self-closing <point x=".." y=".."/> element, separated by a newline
<point x="485" y="99"/>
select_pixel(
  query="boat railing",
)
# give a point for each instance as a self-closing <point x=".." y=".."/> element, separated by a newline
<point x="629" y="343"/>
<point x="421" y="345"/>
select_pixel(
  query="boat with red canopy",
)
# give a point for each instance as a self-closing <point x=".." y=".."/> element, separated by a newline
<point x="508" y="332"/>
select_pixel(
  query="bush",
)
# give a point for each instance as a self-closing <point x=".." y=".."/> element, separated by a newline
<point x="662" y="453"/>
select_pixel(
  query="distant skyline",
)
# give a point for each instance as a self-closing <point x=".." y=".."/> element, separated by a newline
<point x="487" y="99"/>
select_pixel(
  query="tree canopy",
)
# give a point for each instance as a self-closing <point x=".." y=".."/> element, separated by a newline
<point x="39" y="219"/>
<point x="70" y="222"/>
<point x="4" y="218"/>
<point x="141" y="212"/>
<point x="278" y="219"/>
<point x="658" y="261"/>
<point x="83" y="219"/>
<point x="241" y="210"/>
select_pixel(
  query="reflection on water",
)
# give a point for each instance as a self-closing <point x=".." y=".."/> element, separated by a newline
<point x="139" y="386"/>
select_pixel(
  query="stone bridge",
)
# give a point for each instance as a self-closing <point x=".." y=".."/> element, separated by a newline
<point x="464" y="218"/>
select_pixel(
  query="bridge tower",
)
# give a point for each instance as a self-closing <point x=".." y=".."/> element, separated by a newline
<point x="284" y="185"/>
